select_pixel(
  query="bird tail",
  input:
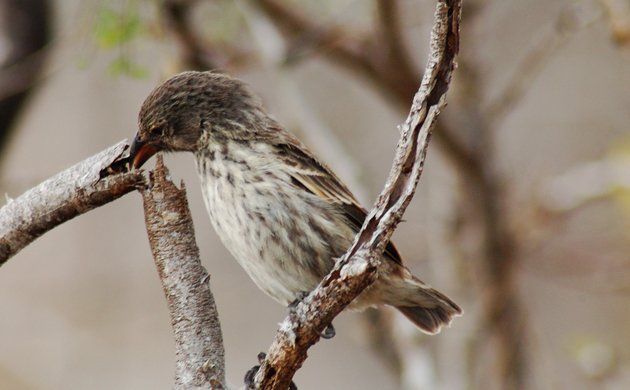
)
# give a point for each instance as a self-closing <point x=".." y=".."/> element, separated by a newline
<point x="426" y="307"/>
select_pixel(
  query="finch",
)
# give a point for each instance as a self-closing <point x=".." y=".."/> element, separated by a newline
<point x="281" y="213"/>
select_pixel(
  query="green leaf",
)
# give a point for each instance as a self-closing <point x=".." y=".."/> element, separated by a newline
<point x="114" y="28"/>
<point x="123" y="65"/>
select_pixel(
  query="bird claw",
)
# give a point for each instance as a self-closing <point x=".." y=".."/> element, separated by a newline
<point x="328" y="332"/>
<point x="249" y="378"/>
<point x="251" y="374"/>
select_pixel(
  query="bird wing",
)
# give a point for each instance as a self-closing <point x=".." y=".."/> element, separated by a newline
<point x="308" y="174"/>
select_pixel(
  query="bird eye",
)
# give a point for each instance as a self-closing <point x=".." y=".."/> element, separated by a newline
<point x="156" y="130"/>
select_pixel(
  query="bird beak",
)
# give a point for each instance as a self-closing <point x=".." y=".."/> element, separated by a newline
<point x="141" y="151"/>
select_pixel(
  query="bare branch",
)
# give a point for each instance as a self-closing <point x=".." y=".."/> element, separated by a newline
<point x="396" y="52"/>
<point x="196" y="54"/>
<point x="565" y="26"/>
<point x="76" y="190"/>
<point x="199" y="350"/>
<point x="357" y="268"/>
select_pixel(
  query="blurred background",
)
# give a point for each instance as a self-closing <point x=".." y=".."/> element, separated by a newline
<point x="522" y="214"/>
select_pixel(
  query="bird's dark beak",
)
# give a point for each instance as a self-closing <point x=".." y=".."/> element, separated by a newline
<point x="141" y="151"/>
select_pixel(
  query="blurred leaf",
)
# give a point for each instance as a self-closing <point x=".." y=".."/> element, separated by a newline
<point x="123" y="65"/>
<point x="117" y="29"/>
<point x="114" y="28"/>
<point x="82" y="62"/>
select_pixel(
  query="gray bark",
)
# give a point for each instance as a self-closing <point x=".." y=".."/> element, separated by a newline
<point x="199" y="349"/>
<point x="76" y="190"/>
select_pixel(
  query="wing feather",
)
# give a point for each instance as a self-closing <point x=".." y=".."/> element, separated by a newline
<point x="313" y="176"/>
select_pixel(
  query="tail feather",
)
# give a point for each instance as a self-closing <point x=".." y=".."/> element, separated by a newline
<point x="426" y="307"/>
<point x="430" y="320"/>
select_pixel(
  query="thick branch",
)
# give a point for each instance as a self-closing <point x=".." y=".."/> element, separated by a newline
<point x="76" y="190"/>
<point x="198" y="340"/>
<point x="394" y="54"/>
<point x="357" y="268"/>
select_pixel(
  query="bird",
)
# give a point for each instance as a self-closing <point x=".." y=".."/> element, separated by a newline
<point x="280" y="211"/>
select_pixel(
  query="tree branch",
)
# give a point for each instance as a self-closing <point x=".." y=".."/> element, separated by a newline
<point x="395" y="54"/>
<point x="199" y="349"/>
<point x="195" y="54"/>
<point x="176" y="17"/>
<point x="357" y="268"/>
<point x="78" y="189"/>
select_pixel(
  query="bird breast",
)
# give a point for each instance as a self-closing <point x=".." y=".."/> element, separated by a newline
<point x="284" y="237"/>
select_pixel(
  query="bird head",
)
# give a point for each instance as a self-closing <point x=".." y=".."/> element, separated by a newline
<point x="177" y="113"/>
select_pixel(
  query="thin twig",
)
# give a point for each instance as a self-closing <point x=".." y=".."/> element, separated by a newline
<point x="199" y="349"/>
<point x="567" y="23"/>
<point x="357" y="268"/>
<point x="76" y="190"/>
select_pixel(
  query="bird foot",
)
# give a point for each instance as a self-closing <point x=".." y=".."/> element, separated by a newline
<point x="251" y="374"/>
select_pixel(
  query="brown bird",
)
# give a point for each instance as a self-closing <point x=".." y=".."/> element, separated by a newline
<point x="283" y="214"/>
